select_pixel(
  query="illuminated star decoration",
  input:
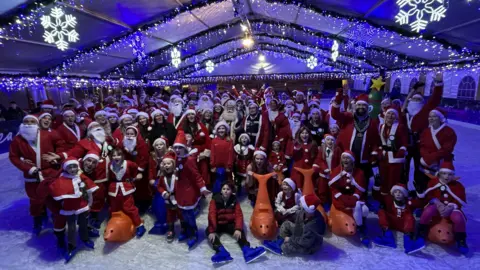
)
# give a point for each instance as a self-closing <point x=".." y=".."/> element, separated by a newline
<point x="420" y="9"/>
<point x="175" y="54"/>
<point x="377" y="83"/>
<point x="210" y="66"/>
<point x="312" y="62"/>
<point x="57" y="29"/>
<point x="334" y="51"/>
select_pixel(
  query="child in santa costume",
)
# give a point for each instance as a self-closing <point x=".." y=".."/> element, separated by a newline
<point x="348" y="187"/>
<point x="305" y="235"/>
<point x="189" y="188"/>
<point x="74" y="190"/>
<point x="445" y="196"/>
<point x="396" y="214"/>
<point x="243" y="156"/>
<point x="221" y="154"/>
<point x="286" y="203"/>
<point x="277" y="157"/>
<point x="304" y="153"/>
<point x="327" y="159"/>
<point x="122" y="173"/>
<point x="167" y="188"/>
<point x="160" y="148"/>
<point x="225" y="216"/>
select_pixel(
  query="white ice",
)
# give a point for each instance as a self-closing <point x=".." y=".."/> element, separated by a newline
<point x="20" y="250"/>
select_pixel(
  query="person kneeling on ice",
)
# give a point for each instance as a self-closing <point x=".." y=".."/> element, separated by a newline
<point x="286" y="203"/>
<point x="396" y="213"/>
<point x="225" y="216"/>
<point x="74" y="190"/>
<point x="305" y="236"/>
<point x="446" y="197"/>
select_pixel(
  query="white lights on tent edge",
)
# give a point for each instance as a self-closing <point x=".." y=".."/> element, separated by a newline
<point x="175" y="54"/>
<point x="419" y="11"/>
<point x="57" y="30"/>
<point x="312" y="62"/>
<point x="335" y="51"/>
<point x="210" y="66"/>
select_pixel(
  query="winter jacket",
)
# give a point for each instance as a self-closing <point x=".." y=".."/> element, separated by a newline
<point x="221" y="213"/>
<point x="307" y="235"/>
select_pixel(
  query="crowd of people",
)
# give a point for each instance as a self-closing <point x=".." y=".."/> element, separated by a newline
<point x="183" y="146"/>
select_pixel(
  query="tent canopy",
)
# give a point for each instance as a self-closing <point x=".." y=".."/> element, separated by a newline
<point x="286" y="33"/>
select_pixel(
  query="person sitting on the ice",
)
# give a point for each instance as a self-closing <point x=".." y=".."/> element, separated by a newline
<point x="305" y="235"/>
<point x="328" y="158"/>
<point x="243" y="156"/>
<point x="225" y="216"/>
<point x="445" y="196"/>
<point x="347" y="186"/>
<point x="260" y="165"/>
<point x="396" y="213"/>
<point x="122" y="174"/>
<point x="221" y="152"/>
<point x="167" y="187"/>
<point x="286" y="203"/>
<point x="277" y="157"/>
<point x="74" y="190"/>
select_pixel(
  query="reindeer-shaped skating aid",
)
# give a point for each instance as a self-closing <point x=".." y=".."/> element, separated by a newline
<point x="263" y="223"/>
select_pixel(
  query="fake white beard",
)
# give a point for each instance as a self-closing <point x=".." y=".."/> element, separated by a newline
<point x="29" y="132"/>
<point x="295" y="126"/>
<point x="130" y="144"/>
<point x="98" y="134"/>
<point x="289" y="109"/>
<point x="176" y="108"/>
<point x="414" y="107"/>
<point x="229" y="117"/>
<point x="272" y="115"/>
<point x="202" y="105"/>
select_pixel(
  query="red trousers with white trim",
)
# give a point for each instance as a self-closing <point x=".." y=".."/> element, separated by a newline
<point x="127" y="205"/>
<point x="405" y="223"/>
<point x="456" y="217"/>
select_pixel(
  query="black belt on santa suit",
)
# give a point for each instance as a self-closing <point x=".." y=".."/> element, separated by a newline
<point x="389" y="148"/>
<point x="349" y="190"/>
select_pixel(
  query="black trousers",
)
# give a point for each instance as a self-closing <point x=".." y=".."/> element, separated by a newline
<point x="230" y="229"/>
<point x="82" y="220"/>
<point x="367" y="171"/>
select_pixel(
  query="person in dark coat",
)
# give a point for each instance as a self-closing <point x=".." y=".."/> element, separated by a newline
<point x="303" y="237"/>
<point x="14" y="112"/>
<point x="161" y="127"/>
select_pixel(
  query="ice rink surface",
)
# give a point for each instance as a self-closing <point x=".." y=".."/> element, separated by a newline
<point x="20" y="250"/>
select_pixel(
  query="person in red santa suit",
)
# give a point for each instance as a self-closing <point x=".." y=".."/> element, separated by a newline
<point x="359" y="134"/>
<point x="316" y="124"/>
<point x="397" y="214"/>
<point x="25" y="153"/>
<point x="122" y="175"/>
<point x="144" y="127"/>
<point x="277" y="157"/>
<point x="243" y="151"/>
<point x="277" y="125"/>
<point x="304" y="153"/>
<point x="436" y="144"/>
<point x="230" y="116"/>
<point x="74" y="190"/>
<point x="295" y="123"/>
<point x="289" y="108"/>
<point x="221" y="151"/>
<point x="201" y="142"/>
<point x="392" y="152"/>
<point x="101" y="117"/>
<point x="384" y="105"/>
<point x="48" y="106"/>
<point x="287" y="202"/>
<point x="45" y="123"/>
<point x="260" y="165"/>
<point x="205" y="102"/>
<point x="176" y="109"/>
<point x="301" y="104"/>
<point x="415" y="112"/>
<point x="328" y="158"/>
<point x="348" y="188"/>
<point x="445" y="196"/>
<point x="189" y="188"/>
<point x="252" y="124"/>
<point x="69" y="131"/>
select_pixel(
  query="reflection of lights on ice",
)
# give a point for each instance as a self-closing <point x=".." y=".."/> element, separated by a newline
<point x="312" y="62"/>
<point x="248" y="42"/>
<point x="175" y="57"/>
<point x="210" y="66"/>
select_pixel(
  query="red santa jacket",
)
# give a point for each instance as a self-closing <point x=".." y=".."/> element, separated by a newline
<point x="243" y="157"/>
<point x="165" y="185"/>
<point x="190" y="183"/>
<point x="452" y="193"/>
<point x="201" y="140"/>
<point x="346" y="138"/>
<point x="278" y="159"/>
<point x="153" y="167"/>
<point x="419" y="122"/>
<point x="71" y="137"/>
<point x="398" y="134"/>
<point x="347" y="188"/>
<point x="139" y="155"/>
<point x="304" y="155"/>
<point x="399" y="211"/>
<point x="437" y="145"/>
<point x="222" y="213"/>
<point x="123" y="179"/>
<point x="325" y="164"/>
<point x="99" y="174"/>
<point x="269" y="129"/>
<point x="221" y="155"/>
<point x="21" y="150"/>
<point x="68" y="189"/>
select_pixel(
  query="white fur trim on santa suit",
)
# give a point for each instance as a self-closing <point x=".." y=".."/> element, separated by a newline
<point x="187" y="112"/>
<point x="312" y="111"/>
<point x="290" y="183"/>
<point x="360" y="102"/>
<point x="94" y="156"/>
<point x="259" y="152"/>
<point x="221" y="123"/>
<point x="44" y="115"/>
<point x="418" y="96"/>
<point x="144" y="114"/>
<point x="400" y="188"/>
<point x="309" y="209"/>
<point x="446" y="170"/>
<point x="244" y="135"/>
<point x="392" y="110"/>
<point x="112" y="114"/>
<point x="91" y="124"/>
<point x="47" y="106"/>
<point x="102" y="112"/>
<point x="440" y="115"/>
<point x="68" y="112"/>
<point x="155" y="113"/>
<point x="349" y="155"/>
<point x="126" y="115"/>
<point x="132" y="127"/>
<point x="230" y="102"/>
<point x="69" y="162"/>
<point x="296" y="114"/>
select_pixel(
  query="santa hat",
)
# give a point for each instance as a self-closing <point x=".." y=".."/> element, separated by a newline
<point x="205" y="96"/>
<point x="310" y="203"/>
<point x="393" y="109"/>
<point x="229" y="102"/>
<point x="385" y="100"/>
<point x="258" y="151"/>
<point x="440" y="113"/>
<point x="92" y="124"/>
<point x="91" y="154"/>
<point x="299" y="93"/>
<point x="207" y="110"/>
<point x="349" y="154"/>
<point x="291" y="183"/>
<point x="289" y="101"/>
<point x="219" y="124"/>
<point x="156" y="112"/>
<point x="328" y="136"/>
<point x="177" y="98"/>
<point x="192" y="93"/>
<point x="313" y="111"/>
<point x="67" y="112"/>
<point x="400" y="187"/>
<point x="180" y="140"/>
<point x="102" y="112"/>
<point x="112" y="114"/>
<point x="45" y="114"/>
<point x="170" y="155"/>
<point x="125" y="116"/>
<point x="252" y="103"/>
<point x="132" y="110"/>
<point x="161" y="139"/>
<point x="296" y="114"/>
<point x="447" y="166"/>
<point x="314" y="103"/>
<point x="334" y="125"/>
<point x="144" y="114"/>
<point x="418" y="96"/>
<point x="30" y="116"/>
<point x="48" y="104"/>
<point x="362" y="99"/>
<point x="132" y="127"/>
<point x="69" y="161"/>
<point x="244" y="135"/>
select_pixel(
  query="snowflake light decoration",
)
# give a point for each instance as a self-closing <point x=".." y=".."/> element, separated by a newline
<point x="360" y="36"/>
<point x="57" y="29"/>
<point x="312" y="62"/>
<point x="138" y="46"/>
<point x="175" y="57"/>
<point x="335" y="51"/>
<point x="210" y="66"/>
<point x="421" y="9"/>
